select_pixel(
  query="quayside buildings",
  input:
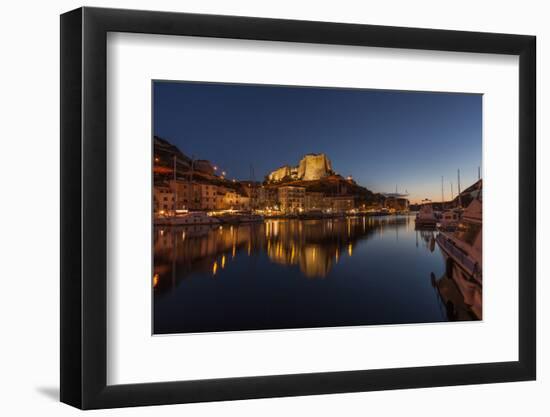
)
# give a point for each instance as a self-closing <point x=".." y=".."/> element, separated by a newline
<point x="182" y="183"/>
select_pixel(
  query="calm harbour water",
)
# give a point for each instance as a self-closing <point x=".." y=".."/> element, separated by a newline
<point x="296" y="274"/>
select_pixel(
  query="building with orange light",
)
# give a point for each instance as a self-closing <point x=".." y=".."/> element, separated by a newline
<point x="234" y="200"/>
<point x="291" y="199"/>
<point x="313" y="201"/>
<point x="339" y="204"/>
<point x="163" y="200"/>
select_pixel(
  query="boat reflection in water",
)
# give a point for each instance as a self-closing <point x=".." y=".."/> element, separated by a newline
<point x="295" y="274"/>
<point x="458" y="307"/>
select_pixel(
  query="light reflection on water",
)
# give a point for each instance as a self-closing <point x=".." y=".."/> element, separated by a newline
<point x="295" y="274"/>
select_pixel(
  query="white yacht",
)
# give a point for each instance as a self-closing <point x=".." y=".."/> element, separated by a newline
<point x="425" y="218"/>
<point x="463" y="254"/>
<point x="449" y="220"/>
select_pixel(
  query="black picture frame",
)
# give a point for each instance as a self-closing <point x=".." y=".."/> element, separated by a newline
<point x="84" y="207"/>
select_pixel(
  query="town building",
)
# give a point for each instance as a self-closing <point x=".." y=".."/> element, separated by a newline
<point x="396" y="203"/>
<point x="163" y="200"/>
<point x="268" y="198"/>
<point x="198" y="196"/>
<point x="252" y="190"/>
<point x="339" y="204"/>
<point x="207" y="196"/>
<point x="234" y="200"/>
<point x="313" y="201"/>
<point x="220" y="198"/>
<point x="291" y="199"/>
<point x="186" y="193"/>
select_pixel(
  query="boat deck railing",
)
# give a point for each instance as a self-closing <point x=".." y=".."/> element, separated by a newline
<point x="466" y="262"/>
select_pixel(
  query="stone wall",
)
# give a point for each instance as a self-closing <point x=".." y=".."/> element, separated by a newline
<point x="312" y="167"/>
<point x="279" y="173"/>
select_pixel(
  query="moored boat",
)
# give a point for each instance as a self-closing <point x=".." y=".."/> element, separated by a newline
<point x="189" y="218"/>
<point x="463" y="254"/>
<point x="312" y="215"/>
<point x="425" y="218"/>
<point x="240" y="217"/>
<point x="449" y="220"/>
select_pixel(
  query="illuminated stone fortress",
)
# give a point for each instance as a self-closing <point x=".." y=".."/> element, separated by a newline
<point x="312" y="167"/>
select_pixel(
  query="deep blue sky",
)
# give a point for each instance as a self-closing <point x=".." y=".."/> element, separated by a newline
<point x="382" y="138"/>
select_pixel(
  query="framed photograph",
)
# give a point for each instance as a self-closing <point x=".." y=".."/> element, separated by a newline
<point x="257" y="208"/>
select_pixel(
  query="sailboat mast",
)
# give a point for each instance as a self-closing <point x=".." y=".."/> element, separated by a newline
<point x="253" y="196"/>
<point x="459" y="198"/>
<point x="191" y="187"/>
<point x="174" y="206"/>
<point x="442" y="194"/>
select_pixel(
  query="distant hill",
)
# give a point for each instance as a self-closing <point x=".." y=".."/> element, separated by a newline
<point x="469" y="193"/>
<point x="165" y="152"/>
<point x="466" y="197"/>
<point x="166" y="155"/>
